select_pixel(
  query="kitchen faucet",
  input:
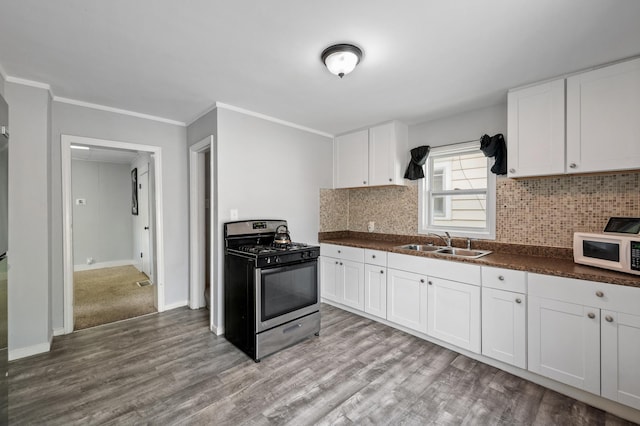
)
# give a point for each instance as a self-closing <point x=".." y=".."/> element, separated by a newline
<point x="447" y="239"/>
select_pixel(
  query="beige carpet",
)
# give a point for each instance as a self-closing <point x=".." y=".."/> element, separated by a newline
<point x="107" y="295"/>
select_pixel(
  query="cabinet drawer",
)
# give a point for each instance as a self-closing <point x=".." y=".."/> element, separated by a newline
<point x="375" y="257"/>
<point x="342" y="252"/>
<point x="590" y="293"/>
<point x="447" y="269"/>
<point x="504" y="279"/>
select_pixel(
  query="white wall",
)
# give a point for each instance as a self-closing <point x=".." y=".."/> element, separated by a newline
<point x="463" y="127"/>
<point x="81" y="121"/>
<point x="30" y="329"/>
<point x="102" y="228"/>
<point x="265" y="170"/>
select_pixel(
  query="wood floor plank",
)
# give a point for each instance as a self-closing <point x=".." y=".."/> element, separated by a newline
<point x="168" y="368"/>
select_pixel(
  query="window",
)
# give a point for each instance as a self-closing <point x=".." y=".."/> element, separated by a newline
<point x="458" y="192"/>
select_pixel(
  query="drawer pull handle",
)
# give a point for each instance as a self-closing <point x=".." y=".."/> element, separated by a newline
<point x="518" y="300"/>
<point x="609" y="318"/>
<point x="599" y="293"/>
<point x="500" y="277"/>
<point x="591" y="315"/>
<point x="292" y="328"/>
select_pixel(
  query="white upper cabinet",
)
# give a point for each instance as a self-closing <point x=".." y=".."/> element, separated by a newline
<point x="536" y="128"/>
<point x="603" y="125"/>
<point x="372" y="157"/>
<point x="351" y="162"/>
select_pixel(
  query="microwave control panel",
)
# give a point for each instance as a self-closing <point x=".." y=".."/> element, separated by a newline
<point x="635" y="255"/>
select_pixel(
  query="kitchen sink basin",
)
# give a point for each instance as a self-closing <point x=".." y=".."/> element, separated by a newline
<point x="420" y="247"/>
<point x="474" y="254"/>
<point x="449" y="251"/>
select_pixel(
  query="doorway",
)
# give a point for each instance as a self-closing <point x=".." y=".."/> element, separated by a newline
<point x="203" y="228"/>
<point x="151" y="241"/>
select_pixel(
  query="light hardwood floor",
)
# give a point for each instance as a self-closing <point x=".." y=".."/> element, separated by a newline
<point x="169" y="369"/>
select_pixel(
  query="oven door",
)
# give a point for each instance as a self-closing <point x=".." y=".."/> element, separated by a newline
<point x="286" y="293"/>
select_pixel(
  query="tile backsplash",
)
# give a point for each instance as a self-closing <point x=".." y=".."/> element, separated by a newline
<point x="537" y="211"/>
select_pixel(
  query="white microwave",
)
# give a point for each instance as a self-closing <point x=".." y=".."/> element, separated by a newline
<point x="617" y="252"/>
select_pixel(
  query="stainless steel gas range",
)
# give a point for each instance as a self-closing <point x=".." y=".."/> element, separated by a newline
<point x="271" y="296"/>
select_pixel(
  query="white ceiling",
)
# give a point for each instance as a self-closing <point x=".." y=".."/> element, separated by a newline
<point x="424" y="59"/>
<point x="105" y="155"/>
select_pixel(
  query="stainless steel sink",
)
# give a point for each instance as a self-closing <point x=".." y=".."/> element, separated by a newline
<point x="474" y="254"/>
<point x="449" y="251"/>
<point x="420" y="247"/>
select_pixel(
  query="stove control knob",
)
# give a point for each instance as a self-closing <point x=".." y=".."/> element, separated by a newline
<point x="277" y="259"/>
<point x="268" y="260"/>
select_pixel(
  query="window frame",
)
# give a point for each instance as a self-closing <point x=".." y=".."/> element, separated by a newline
<point x="425" y="194"/>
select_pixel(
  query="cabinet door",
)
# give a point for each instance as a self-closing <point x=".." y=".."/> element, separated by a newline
<point x="387" y="149"/>
<point x="351" y="274"/>
<point x="352" y="159"/>
<point x="564" y="342"/>
<point x="407" y="299"/>
<point x="620" y="357"/>
<point x="603" y="130"/>
<point x="375" y="290"/>
<point x="536" y="127"/>
<point x="454" y="313"/>
<point x="329" y="286"/>
<point x="504" y="326"/>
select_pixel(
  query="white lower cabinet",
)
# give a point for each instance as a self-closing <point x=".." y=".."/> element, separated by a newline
<point x="454" y="313"/>
<point x="620" y="335"/>
<point x="342" y="281"/>
<point x="504" y="326"/>
<point x="375" y="291"/>
<point x="407" y="299"/>
<point x="564" y="342"/>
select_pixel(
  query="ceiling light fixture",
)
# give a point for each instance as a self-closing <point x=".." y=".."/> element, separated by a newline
<point x="79" y="147"/>
<point x="341" y="59"/>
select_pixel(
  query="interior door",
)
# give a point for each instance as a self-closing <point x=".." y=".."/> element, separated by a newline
<point x="143" y="214"/>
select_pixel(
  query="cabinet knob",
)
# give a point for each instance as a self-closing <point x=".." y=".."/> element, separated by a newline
<point x="336" y="262"/>
<point x="518" y="300"/>
<point x="421" y="280"/>
<point x="340" y="263"/>
<point x="364" y="182"/>
<point x="573" y="165"/>
<point x="591" y="315"/>
<point x="381" y="271"/>
<point x="430" y="282"/>
<point x="390" y="180"/>
<point x="339" y="251"/>
<point x="599" y="293"/>
<point x="512" y="170"/>
<point x="373" y="256"/>
<point x="500" y="277"/>
<point x="609" y="318"/>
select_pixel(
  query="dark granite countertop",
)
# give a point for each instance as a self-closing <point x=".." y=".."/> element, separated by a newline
<point x="542" y="260"/>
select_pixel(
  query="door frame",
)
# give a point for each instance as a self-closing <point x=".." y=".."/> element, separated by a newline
<point x="197" y="241"/>
<point x="145" y="237"/>
<point x="67" y="217"/>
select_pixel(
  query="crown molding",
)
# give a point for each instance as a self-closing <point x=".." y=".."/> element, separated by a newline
<point x="269" y="118"/>
<point x="117" y="111"/>
<point x="202" y="114"/>
<point x="30" y="83"/>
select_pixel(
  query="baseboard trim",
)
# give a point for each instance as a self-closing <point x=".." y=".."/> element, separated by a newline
<point x="58" y="331"/>
<point x="101" y="265"/>
<point x="218" y="331"/>
<point x="176" y="305"/>
<point x="29" y="351"/>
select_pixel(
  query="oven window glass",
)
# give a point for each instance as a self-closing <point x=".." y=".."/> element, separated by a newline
<point x="288" y="289"/>
<point x="600" y="250"/>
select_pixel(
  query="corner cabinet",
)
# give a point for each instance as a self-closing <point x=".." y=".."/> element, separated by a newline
<point x="372" y="157"/>
<point x="603" y="129"/>
<point x="536" y="128"/>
